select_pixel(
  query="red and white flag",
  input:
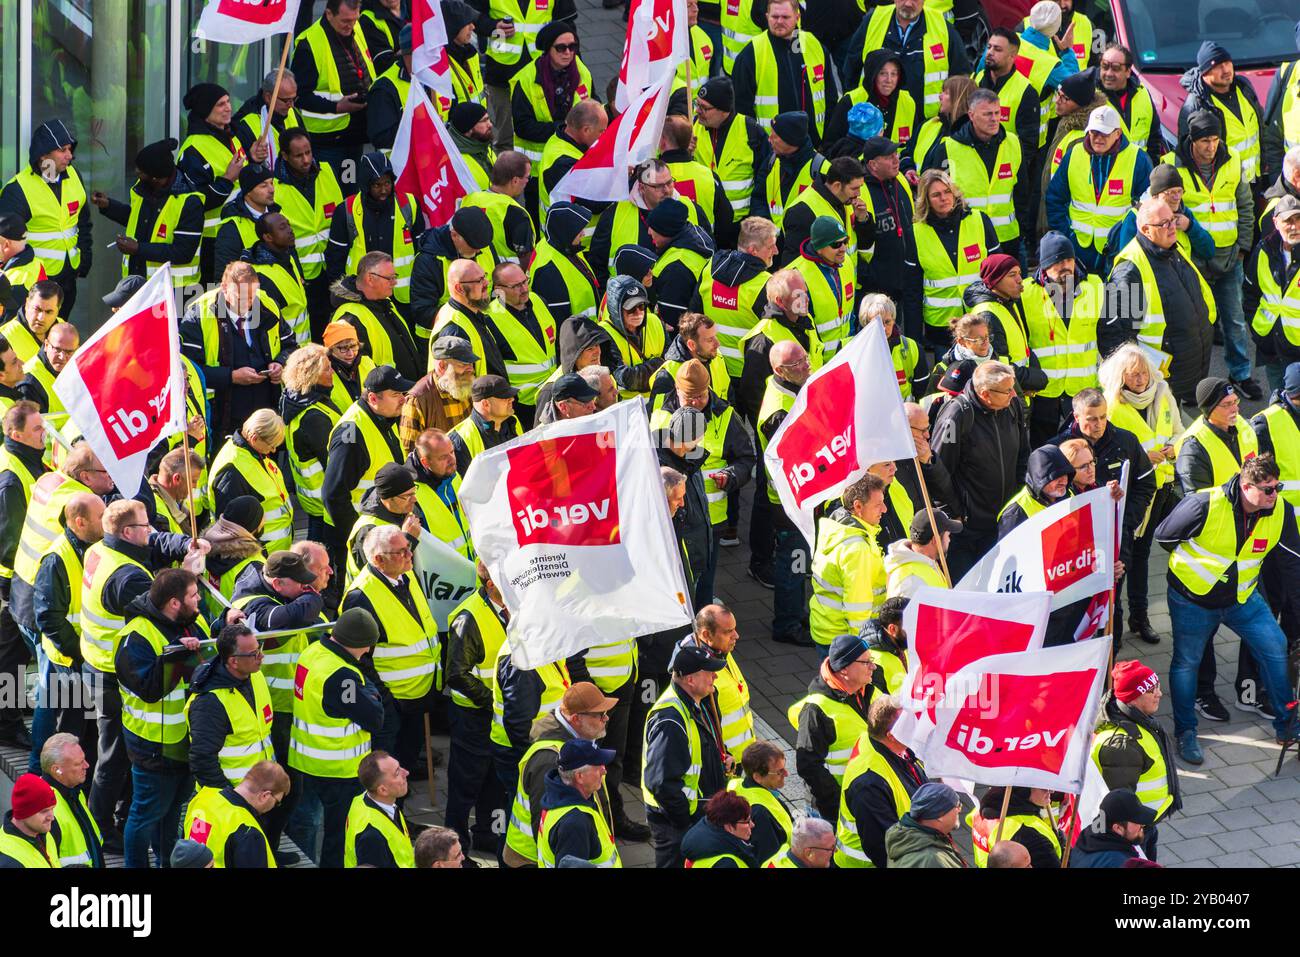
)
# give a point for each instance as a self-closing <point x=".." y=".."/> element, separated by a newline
<point x="604" y="171"/>
<point x="847" y="417"/>
<point x="1067" y="549"/>
<point x="1023" y="719"/>
<point x="658" y="39"/>
<point x="429" y="62"/>
<point x="245" y="21"/>
<point x="125" y="387"/>
<point x="426" y="161"/>
<point x="572" y="523"/>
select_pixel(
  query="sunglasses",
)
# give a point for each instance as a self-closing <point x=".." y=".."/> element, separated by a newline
<point x="839" y="244"/>
<point x="564" y="47"/>
<point x="1269" y="489"/>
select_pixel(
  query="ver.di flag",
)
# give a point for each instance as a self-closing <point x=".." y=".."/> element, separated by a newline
<point x="572" y="523"/>
<point x="245" y="21"/>
<point x="445" y="575"/>
<point x="658" y="39"/>
<point x="1023" y="719"/>
<point x="427" y="163"/>
<point x="429" y="62"/>
<point x="124" y="389"/>
<point x="605" y="170"/>
<point x="847" y="417"/>
<point x="1067" y="549"/>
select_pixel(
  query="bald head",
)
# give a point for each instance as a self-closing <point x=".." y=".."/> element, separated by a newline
<point x="586" y="121"/>
<point x="84" y="514"/>
<point x="1155" y="222"/>
<point x="786" y="353"/>
<point x="1009" y="854"/>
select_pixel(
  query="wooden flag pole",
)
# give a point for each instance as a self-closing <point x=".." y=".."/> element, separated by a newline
<point x="428" y="757"/>
<point x="690" y="90"/>
<point x="934" y="527"/>
<point x="1002" y="818"/>
<point x="189" y="482"/>
<point x="275" y="93"/>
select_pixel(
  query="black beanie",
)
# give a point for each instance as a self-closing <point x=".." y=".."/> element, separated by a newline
<point x="1164" y="177"/>
<point x="245" y="511"/>
<point x="552" y="32"/>
<point x="250" y="177"/>
<point x="634" y="261"/>
<point x="202" y="97"/>
<point x="668" y="219"/>
<point x="719" y="93"/>
<point x="1203" y="123"/>
<point x="157" y="159"/>
<point x="1053" y="248"/>
<point x="465" y="116"/>
<point x="564" y="223"/>
<point x="1211" y="55"/>
<point x="392" y="480"/>
<point x="1210" y="392"/>
<point x="792" y="127"/>
<point x="1080" y="87"/>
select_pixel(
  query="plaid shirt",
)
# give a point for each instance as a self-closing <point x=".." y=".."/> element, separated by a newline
<point x="428" y="407"/>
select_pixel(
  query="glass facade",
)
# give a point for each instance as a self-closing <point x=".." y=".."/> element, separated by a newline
<point x="115" y="71"/>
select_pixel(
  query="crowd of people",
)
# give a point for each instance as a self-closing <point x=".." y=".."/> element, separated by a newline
<point x="241" y="649"/>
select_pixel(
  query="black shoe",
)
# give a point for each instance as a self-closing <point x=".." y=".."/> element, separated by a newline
<point x="1212" y="709"/>
<point x="800" y="639"/>
<point x="1141" y="628"/>
<point x="763" y="576"/>
<point x="113" y="843"/>
<point x="1261" y="707"/>
<point x="286" y="858"/>
<point x="17" y="735"/>
<point x="626" y="829"/>
<point x="1249" y="388"/>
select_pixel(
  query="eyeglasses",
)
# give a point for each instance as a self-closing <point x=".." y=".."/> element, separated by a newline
<point x="824" y="850"/>
<point x="138" y="525"/>
<point x="1166" y="224"/>
<point x="600" y="715"/>
<point x="398" y="551"/>
<point x="386" y="277"/>
<point x="669" y="183"/>
<point x="56" y="350"/>
<point x="480" y="281"/>
<point x="287" y="100"/>
<point x="249" y="654"/>
<point x="1091" y="463"/>
<point x="1001" y="391"/>
<point x="564" y="47"/>
<point x="515" y="286"/>
<point x="839" y="244"/>
<point x="977" y="340"/>
<point x="348" y="346"/>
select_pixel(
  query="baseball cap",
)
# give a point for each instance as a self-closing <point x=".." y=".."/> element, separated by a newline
<point x="121" y="293"/>
<point x="579" y="753"/>
<point x="1104" y="119"/>
<point x="290" y="565"/>
<point x="921" y="532"/>
<point x="573" y="386"/>
<point x="688" y="661"/>
<point x="1286" y="207"/>
<point x="12" y="227"/>
<point x="492" y="387"/>
<point x="1121" y="806"/>
<point x="584" y="697"/>
<point x="384" y="378"/>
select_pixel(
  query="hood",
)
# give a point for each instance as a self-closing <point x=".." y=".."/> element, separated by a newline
<point x="677" y="351"/>
<point x="877" y="638"/>
<point x="469" y="146"/>
<point x="1184" y="153"/>
<point x="899" y="552"/>
<point x="908" y="837"/>
<point x="731" y="267"/>
<point x="977" y="292"/>
<point x="707" y="840"/>
<point x="344" y="290"/>
<point x="871" y="67"/>
<point x="559" y="794"/>
<point x="294" y="404"/>
<point x="575" y="335"/>
<point x="47" y="138"/>
<point x="437" y="242"/>
<point x="1046" y="464"/>
<point x="562" y="229"/>
<point x="1080" y="274"/>
<point x="1079" y="118"/>
<point x="693" y="239"/>
<point x="1281" y="188"/>
<point x="371" y="167"/>
<point x="231" y="542"/>
<point x="619" y="289"/>
<point x="212" y="676"/>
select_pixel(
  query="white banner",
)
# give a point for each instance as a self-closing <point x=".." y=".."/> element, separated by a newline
<point x="124" y="389"/>
<point x="658" y="39"/>
<point x="427" y="163"/>
<point x="1067" y="549"/>
<point x="246" y="21"/>
<point x="1023" y="719"/>
<point x="572" y="523"/>
<point x="847" y="417"/>
<point x="445" y="575"/>
<point x="429" y="62"/>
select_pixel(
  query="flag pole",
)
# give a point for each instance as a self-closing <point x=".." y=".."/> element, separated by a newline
<point x="275" y="93"/>
<point x="934" y="526"/>
<point x="1002" y="818"/>
<point x="189" y="482"/>
<point x="690" y="90"/>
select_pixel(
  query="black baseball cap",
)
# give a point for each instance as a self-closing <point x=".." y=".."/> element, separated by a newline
<point x="492" y="387"/>
<point x="123" y="291"/>
<point x="12" y="226"/>
<point x="687" y="661"/>
<point x="1121" y="806"/>
<point x="289" y="565"/>
<point x="573" y="386"/>
<point x="921" y="532"/>
<point x="384" y="378"/>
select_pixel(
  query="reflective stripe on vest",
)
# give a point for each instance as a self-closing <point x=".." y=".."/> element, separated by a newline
<point x="865" y="760"/>
<point x="263" y="476"/>
<point x="530" y="362"/>
<point x="944" y="282"/>
<point x="212" y="819"/>
<point x="100" y="629"/>
<point x="164" y="231"/>
<point x="73" y="849"/>
<point x="734" y="163"/>
<point x="321" y="745"/>
<point x="1214" y="206"/>
<point x="555" y="680"/>
<point x="403" y="248"/>
<point x="830" y="300"/>
<point x="407" y="658"/>
<point x="934" y="43"/>
<point x="732" y="310"/>
<point x="767" y="85"/>
<point x="280" y="655"/>
<point x="1094" y="211"/>
<point x="1151" y="328"/>
<point x="249" y="738"/>
<point x="848" y="577"/>
<point x="491" y="634"/>
<point x="607" y="856"/>
<point x="989" y="194"/>
<point x="1067" y="353"/>
<point x="51" y="222"/>
<point x="507" y="51"/>
<point x="310" y="220"/>
<point x="583" y="295"/>
<point x="377" y="449"/>
<point x="327" y="73"/>
<point x="309" y="476"/>
<point x="397" y="836"/>
<point x="1223" y="463"/>
<point x="849" y="726"/>
<point x="528" y="81"/>
<point x="1203" y="562"/>
<point x="161" y="722"/>
<point x="691" y="778"/>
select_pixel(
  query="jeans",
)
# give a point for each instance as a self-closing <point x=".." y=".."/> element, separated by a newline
<point x="503" y="121"/>
<point x="155" y="819"/>
<point x="472" y="784"/>
<point x="60" y="704"/>
<point x="790" y="564"/>
<point x="113" y="768"/>
<point x="335" y="796"/>
<point x="1232" y="320"/>
<point x="1193" y="627"/>
<point x="667" y="840"/>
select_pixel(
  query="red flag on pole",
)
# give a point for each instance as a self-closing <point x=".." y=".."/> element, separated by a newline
<point x="245" y="21"/>
<point x="429" y="63"/>
<point x="427" y="163"/>
<point x="658" y="38"/>
<point x="125" y="387"/>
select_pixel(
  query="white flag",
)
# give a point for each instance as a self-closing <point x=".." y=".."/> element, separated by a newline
<point x="445" y="575"/>
<point x="1023" y="719"/>
<point x="572" y="523"/>
<point x="1067" y="549"/>
<point x="429" y="62"/>
<point x="245" y="21"/>
<point x="847" y="417"/>
<point x="658" y="39"/>
<point x="427" y="163"/>
<point x="125" y="387"/>
<point x="604" y="171"/>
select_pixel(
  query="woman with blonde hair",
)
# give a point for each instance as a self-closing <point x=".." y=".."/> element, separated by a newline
<point x="951" y="241"/>
<point x="910" y="364"/>
<point x="310" y="412"/>
<point x="245" y="465"/>
<point x="970" y="340"/>
<point x="954" y="97"/>
<point x="1138" y="399"/>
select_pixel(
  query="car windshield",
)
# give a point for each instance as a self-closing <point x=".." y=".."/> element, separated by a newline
<point x="1166" y="36"/>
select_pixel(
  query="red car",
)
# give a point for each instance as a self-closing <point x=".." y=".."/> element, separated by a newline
<point x="1164" y="37"/>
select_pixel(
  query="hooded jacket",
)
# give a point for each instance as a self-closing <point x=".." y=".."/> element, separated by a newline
<point x="231" y="544"/>
<point x="632" y="378"/>
<point x="1042" y="855"/>
<point x="870" y="797"/>
<point x="407" y="355"/>
<point x="913" y="51"/>
<point x="1101" y="849"/>
<point x="737" y="446"/>
<point x="575" y="835"/>
<point x="733" y="267"/>
<point x="548" y="283"/>
<point x="208" y="722"/>
<point x="1281" y="187"/>
<point x="345" y="462"/>
<point x="677" y="284"/>
<point x="1122" y="101"/>
<point x="1275" y="346"/>
<point x="1198" y="238"/>
<point x="345" y="52"/>
<point x="985" y="451"/>
<point x="47" y="138"/>
<point x="1201" y="97"/>
<point x="837" y="124"/>
<point x="792" y="88"/>
<point x="756" y="367"/>
<point x="263" y="255"/>
<point x="1058" y="196"/>
<point x="705" y="840"/>
<point x="911" y="844"/>
<point x="312" y="439"/>
<point x="601" y="249"/>
<point x="372" y="505"/>
<point x="428" y="275"/>
<point x="575" y="336"/>
<point x="1223" y="259"/>
<point x="1121" y="758"/>
<point x="1189" y="337"/>
<point x="1046" y="464"/>
<point x="377" y="218"/>
<point x="1030" y="376"/>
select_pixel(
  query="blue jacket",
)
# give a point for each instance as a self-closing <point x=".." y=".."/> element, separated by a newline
<point x="1058" y="194"/>
<point x="1122" y="233"/>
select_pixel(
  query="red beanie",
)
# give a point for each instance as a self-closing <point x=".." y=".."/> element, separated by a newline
<point x="31" y="796"/>
<point x="995" y="267"/>
<point x="1132" y="679"/>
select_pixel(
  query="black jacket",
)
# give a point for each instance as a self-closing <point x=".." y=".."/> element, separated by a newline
<point x="1275" y="346"/>
<point x="837" y="124"/>
<point x="632" y="378"/>
<point x="521" y="694"/>
<point x="1262" y="436"/>
<point x="260" y="254"/>
<point x="1042" y="855"/>
<point x="756" y="366"/>
<point x="151" y="677"/>
<point x="371" y="846"/>
<point x="871" y="800"/>
<point x="268" y="611"/>
<point x="371" y="504"/>
<point x="937" y="158"/>
<point x="601" y="254"/>
<point x="762" y="150"/>
<point x="13" y="498"/>
<point x="492" y="437"/>
<point x="408" y="356"/>
<point x="347" y="60"/>
<point x="1122" y="759"/>
<point x="1194" y="468"/>
<point x="692" y="519"/>
<point x="229" y="245"/>
<point x="346" y="461"/>
<point x="704" y="839"/>
<point x="792" y="89"/>
<point x="494" y="73"/>
<point x="799" y="219"/>
<point x="733" y="267"/>
<point x="1189" y="337"/>
<point x="1201" y="97"/>
<point x="937" y="481"/>
<point x="208" y="181"/>
<point x="1122" y="101"/>
<point x="677" y="284"/>
<point x="668" y="755"/>
<point x="815" y="737"/>
<point x="208" y="722"/>
<point x="948" y="231"/>
<point x="377" y="222"/>
<point x="561" y="233"/>
<point x="46" y="138"/>
<point x="462" y="319"/>
<point x="429" y="274"/>
<point x="575" y="835"/>
<point x="985" y="452"/>
<point x="128" y="583"/>
<point x="81" y="815"/>
<point x="51" y="601"/>
<point x="383" y="110"/>
<point x="246" y="846"/>
<point x="894" y="265"/>
<point x="575" y="335"/>
<point x="1101" y="849"/>
<point x="665" y="384"/>
<point x="177" y="249"/>
<point x="464" y="651"/>
<point x="312" y="439"/>
<point x="340" y="698"/>
<point x="230" y="483"/>
<point x="1187" y="520"/>
<point x="914" y="53"/>
<point x="1027" y="113"/>
<point x="1045" y="465"/>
